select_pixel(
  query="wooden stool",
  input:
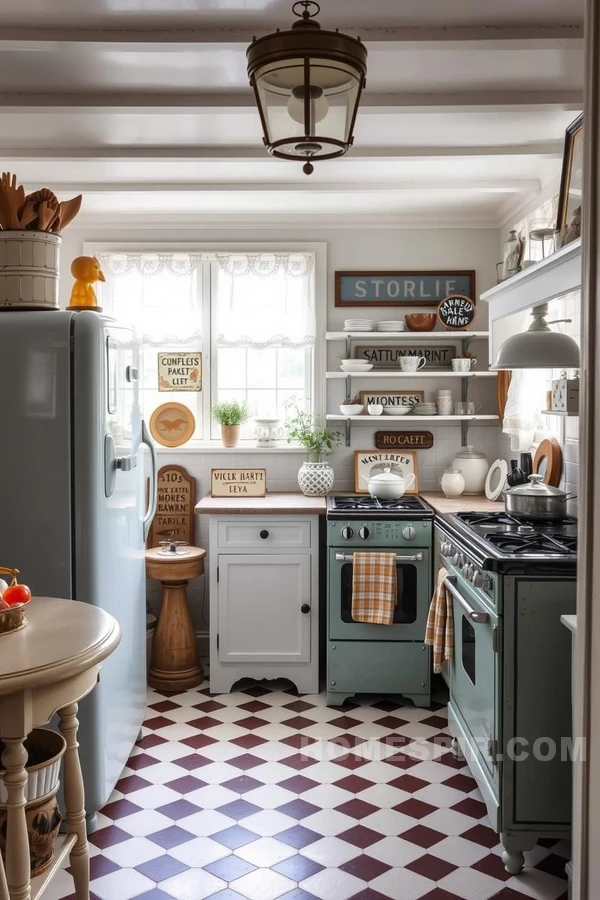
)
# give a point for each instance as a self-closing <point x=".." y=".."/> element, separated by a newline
<point x="174" y="663"/>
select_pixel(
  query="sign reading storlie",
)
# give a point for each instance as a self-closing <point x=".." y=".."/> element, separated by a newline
<point x="238" y="482"/>
<point x="456" y="311"/>
<point x="401" y="288"/>
<point x="384" y="356"/>
<point x="180" y="371"/>
<point x="174" y="519"/>
<point x="411" y="440"/>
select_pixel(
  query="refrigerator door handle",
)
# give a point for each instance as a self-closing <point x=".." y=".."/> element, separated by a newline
<point x="153" y="493"/>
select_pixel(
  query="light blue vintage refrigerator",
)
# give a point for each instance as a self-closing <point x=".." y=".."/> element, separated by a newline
<point x="73" y="506"/>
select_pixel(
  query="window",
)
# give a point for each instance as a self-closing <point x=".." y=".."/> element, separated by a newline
<point x="252" y="316"/>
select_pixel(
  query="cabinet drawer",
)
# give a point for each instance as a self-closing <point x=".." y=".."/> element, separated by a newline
<point x="266" y="534"/>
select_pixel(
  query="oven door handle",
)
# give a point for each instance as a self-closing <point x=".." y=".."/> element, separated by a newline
<point x="479" y="618"/>
<point x="349" y="557"/>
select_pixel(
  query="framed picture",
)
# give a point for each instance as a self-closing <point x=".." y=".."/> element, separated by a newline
<point x="411" y="289"/>
<point x="571" y="182"/>
<point x="392" y="398"/>
<point x="372" y="462"/>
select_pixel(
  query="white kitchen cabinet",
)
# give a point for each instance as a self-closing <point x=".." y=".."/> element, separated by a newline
<point x="264" y="610"/>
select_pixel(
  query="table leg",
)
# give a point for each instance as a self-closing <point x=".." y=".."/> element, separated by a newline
<point x="3" y="884"/>
<point x="174" y="665"/>
<point x="18" y="866"/>
<point x="74" y="802"/>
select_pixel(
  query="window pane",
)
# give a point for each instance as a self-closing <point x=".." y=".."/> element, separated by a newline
<point x="291" y="368"/>
<point x="262" y="368"/>
<point x="232" y="368"/>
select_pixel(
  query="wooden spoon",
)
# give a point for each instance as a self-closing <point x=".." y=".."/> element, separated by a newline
<point x="15" y="197"/>
<point x="45" y="214"/>
<point x="4" y="210"/>
<point x="68" y="209"/>
<point x="28" y="214"/>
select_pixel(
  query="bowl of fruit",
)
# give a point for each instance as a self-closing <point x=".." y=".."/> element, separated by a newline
<point x="14" y="598"/>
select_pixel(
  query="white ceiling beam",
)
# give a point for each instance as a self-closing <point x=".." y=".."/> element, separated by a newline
<point x="542" y="149"/>
<point x="542" y="35"/>
<point x="371" y="102"/>
<point x="464" y="186"/>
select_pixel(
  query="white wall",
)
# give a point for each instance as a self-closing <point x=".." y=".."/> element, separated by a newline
<point x="397" y="249"/>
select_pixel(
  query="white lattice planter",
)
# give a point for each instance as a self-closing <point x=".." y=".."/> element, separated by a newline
<point x="29" y="269"/>
<point x="315" y="478"/>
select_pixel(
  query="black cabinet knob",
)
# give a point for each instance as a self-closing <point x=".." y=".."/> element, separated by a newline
<point x="305" y="608"/>
<point x="264" y="534"/>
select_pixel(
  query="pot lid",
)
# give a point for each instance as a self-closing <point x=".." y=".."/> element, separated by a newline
<point x="387" y="477"/>
<point x="536" y="488"/>
<point x="469" y="452"/>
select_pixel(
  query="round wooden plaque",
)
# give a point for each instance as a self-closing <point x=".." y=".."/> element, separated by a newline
<point x="456" y="312"/>
<point x="172" y="424"/>
<point x="548" y="461"/>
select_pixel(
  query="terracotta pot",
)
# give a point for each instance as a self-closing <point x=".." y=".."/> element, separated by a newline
<point x="45" y="749"/>
<point x="230" y="435"/>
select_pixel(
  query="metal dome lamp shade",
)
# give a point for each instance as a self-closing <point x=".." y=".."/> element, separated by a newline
<point x="539" y="347"/>
<point x="307" y="83"/>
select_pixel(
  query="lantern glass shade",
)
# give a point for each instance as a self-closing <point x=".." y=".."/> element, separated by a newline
<point x="307" y="106"/>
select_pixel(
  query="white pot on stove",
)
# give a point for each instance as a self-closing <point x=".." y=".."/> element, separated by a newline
<point x="387" y="485"/>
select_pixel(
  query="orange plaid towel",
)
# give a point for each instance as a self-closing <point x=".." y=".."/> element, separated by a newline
<point x="374" y="588"/>
<point x="439" y="633"/>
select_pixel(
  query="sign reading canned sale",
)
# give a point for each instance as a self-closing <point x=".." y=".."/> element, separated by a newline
<point x="238" y="482"/>
<point x="456" y="311"/>
<point x="180" y="371"/>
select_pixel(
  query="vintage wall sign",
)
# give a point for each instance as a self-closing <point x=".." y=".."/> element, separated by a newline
<point x="180" y="371"/>
<point x="392" y="398"/>
<point x="172" y="424"/>
<point x="174" y="517"/>
<point x="238" y="482"/>
<point x="456" y="311"/>
<point x="378" y="288"/>
<point x="371" y="462"/>
<point x="387" y="356"/>
<point x="409" y="440"/>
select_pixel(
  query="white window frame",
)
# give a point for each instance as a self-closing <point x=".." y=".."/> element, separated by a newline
<point x="319" y="249"/>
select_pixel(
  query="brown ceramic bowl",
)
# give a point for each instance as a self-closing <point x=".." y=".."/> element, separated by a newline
<point x="420" y="321"/>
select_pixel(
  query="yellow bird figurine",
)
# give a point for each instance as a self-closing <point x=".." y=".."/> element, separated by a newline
<point x="86" y="271"/>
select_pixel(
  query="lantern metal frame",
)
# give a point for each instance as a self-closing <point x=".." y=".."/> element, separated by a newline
<point x="306" y="40"/>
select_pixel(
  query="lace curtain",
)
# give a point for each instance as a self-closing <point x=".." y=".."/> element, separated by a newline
<point x="159" y="293"/>
<point x="264" y="300"/>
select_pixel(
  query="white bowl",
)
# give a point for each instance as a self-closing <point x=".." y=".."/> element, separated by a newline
<point x="397" y="410"/>
<point x="375" y="409"/>
<point x="363" y="367"/>
<point x="354" y="409"/>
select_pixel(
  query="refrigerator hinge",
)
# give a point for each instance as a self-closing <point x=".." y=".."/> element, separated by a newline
<point x="495" y="638"/>
<point x="493" y="751"/>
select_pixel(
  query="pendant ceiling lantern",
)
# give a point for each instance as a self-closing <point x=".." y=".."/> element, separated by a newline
<point x="307" y="83"/>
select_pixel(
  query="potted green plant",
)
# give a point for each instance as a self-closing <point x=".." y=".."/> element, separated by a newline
<point x="315" y="477"/>
<point x="230" y="415"/>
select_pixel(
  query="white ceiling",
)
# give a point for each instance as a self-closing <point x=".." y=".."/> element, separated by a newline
<point x="145" y="105"/>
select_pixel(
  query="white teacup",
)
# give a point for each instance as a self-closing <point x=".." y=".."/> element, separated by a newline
<point x="374" y="409"/>
<point x="462" y="364"/>
<point x="412" y="363"/>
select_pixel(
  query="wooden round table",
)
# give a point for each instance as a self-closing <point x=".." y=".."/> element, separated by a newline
<point x="46" y="668"/>
<point x="174" y="663"/>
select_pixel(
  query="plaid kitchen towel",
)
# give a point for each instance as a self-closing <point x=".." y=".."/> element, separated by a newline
<point x="439" y="633"/>
<point x="374" y="588"/>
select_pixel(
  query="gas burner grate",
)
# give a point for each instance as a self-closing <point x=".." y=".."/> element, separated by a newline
<point x="487" y="519"/>
<point x="536" y="544"/>
<point x="371" y="504"/>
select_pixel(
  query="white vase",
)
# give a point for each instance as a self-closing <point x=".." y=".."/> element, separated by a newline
<point x="315" y="478"/>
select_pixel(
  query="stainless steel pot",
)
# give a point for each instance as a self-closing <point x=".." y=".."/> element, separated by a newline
<point x="536" y="500"/>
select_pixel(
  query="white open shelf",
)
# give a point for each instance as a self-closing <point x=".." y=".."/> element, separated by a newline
<point x="408" y="418"/>
<point x="558" y="412"/>
<point x="386" y="373"/>
<point x="406" y="335"/>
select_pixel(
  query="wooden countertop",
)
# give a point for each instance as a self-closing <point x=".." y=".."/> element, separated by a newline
<point x="466" y="503"/>
<point x="295" y="504"/>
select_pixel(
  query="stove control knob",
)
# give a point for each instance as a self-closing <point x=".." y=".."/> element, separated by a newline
<point x="446" y="548"/>
<point x="364" y="533"/>
<point x="408" y="533"/>
<point x="458" y="560"/>
<point x="468" y="571"/>
<point x="347" y="532"/>
<point x="479" y="579"/>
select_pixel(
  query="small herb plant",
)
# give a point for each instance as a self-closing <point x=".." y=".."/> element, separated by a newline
<point x="317" y="441"/>
<point x="352" y="401"/>
<point x="230" y="413"/>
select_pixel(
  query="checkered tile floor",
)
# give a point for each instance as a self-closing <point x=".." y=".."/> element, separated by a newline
<point x="260" y="794"/>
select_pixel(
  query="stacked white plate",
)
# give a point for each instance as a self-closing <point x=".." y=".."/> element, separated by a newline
<point x="426" y="409"/>
<point x="358" y="324"/>
<point x="355" y="365"/>
<point x="391" y="326"/>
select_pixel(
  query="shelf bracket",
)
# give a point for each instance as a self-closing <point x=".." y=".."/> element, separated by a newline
<point x="348" y="433"/>
<point x="464" y="433"/>
<point x="348" y="386"/>
<point x="464" y="396"/>
<point x="348" y="346"/>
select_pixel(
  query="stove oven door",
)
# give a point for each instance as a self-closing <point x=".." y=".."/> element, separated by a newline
<point x="412" y="600"/>
<point x="474" y="681"/>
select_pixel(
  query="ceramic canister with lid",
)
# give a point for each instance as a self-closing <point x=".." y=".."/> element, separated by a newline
<point x="474" y="467"/>
<point x="452" y="483"/>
